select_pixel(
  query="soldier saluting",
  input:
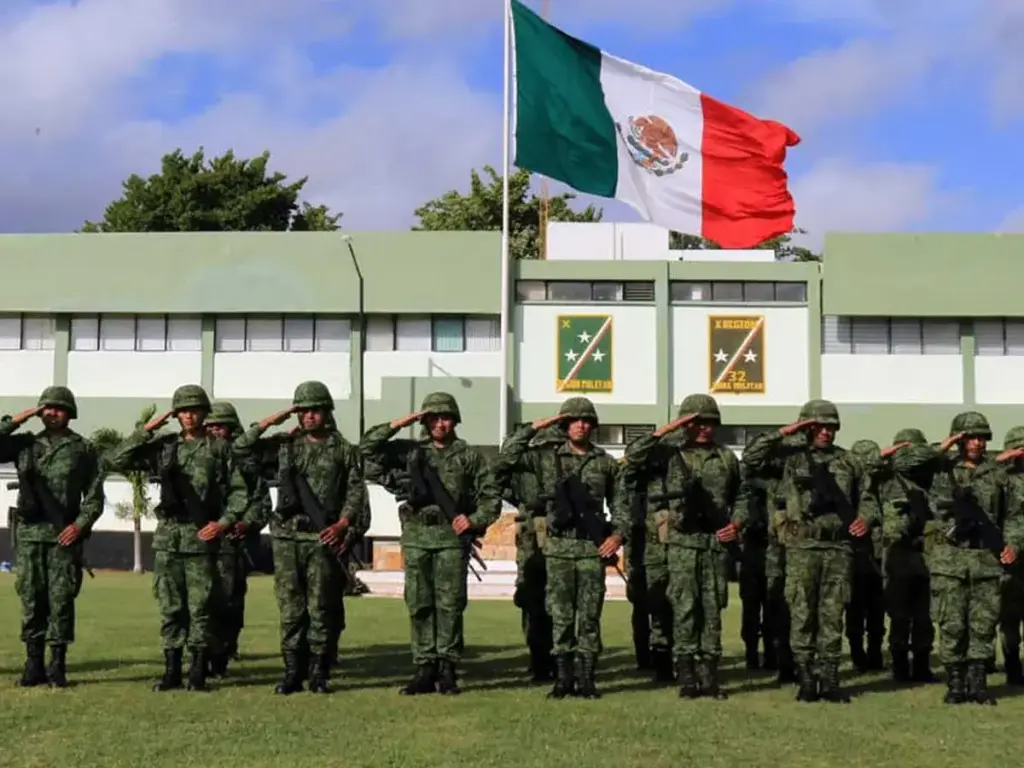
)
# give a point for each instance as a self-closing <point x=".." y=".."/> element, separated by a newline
<point x="320" y="506"/>
<point x="201" y="495"/>
<point x="60" y="498"/>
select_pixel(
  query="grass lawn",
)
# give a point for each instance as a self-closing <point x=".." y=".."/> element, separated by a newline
<point x="110" y="717"/>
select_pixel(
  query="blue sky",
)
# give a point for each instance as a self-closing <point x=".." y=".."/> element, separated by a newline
<point x="910" y="110"/>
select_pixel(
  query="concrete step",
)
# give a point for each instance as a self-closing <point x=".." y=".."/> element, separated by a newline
<point x="494" y="585"/>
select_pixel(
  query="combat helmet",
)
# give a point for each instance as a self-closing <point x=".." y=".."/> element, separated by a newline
<point x="704" y="406"/>
<point x="911" y="435"/>
<point x="190" y="396"/>
<point x="59" y="397"/>
<point x="313" y="395"/>
<point x="441" y="404"/>
<point x="579" y="408"/>
<point x="1014" y="439"/>
<point x="223" y="413"/>
<point x="971" y="423"/>
<point x="868" y="451"/>
<point x="823" y="412"/>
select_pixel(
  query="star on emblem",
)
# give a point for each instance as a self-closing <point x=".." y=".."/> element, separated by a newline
<point x="571" y="356"/>
<point x="721" y="356"/>
<point x="598" y="356"/>
<point x="584" y="338"/>
<point x="751" y="356"/>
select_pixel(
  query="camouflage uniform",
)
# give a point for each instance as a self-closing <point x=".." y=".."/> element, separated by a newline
<point x="184" y="571"/>
<point x="1012" y="604"/>
<point x="819" y="552"/>
<point x="319" y="477"/>
<point x="60" y="484"/>
<point x="865" y="615"/>
<point x="233" y="559"/>
<point x="906" y="516"/>
<point x="755" y="622"/>
<point x="435" y="559"/>
<point x="965" y="573"/>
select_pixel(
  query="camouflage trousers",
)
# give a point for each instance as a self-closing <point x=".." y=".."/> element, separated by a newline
<point x="818" y="585"/>
<point x="436" y="597"/>
<point x="907" y="600"/>
<point x="1011" y="610"/>
<point x="183" y="588"/>
<point x="575" y="599"/>
<point x="309" y="589"/>
<point x="698" y="591"/>
<point x="48" y="579"/>
<point x="966" y="612"/>
<point x="531" y="583"/>
<point x="753" y="583"/>
<point x="776" y="614"/>
<point x="228" y="614"/>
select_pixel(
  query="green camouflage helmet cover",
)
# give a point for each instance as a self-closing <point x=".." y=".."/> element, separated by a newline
<point x="60" y="397"/>
<point x="579" y="408"/>
<point x="705" y="406"/>
<point x="223" y="413"/>
<point x="912" y="457"/>
<point x="441" y="404"/>
<point x="869" y="454"/>
<point x="971" y="423"/>
<point x="1014" y="438"/>
<point x="313" y="395"/>
<point x="823" y="412"/>
<point x="190" y="396"/>
<point x="911" y="435"/>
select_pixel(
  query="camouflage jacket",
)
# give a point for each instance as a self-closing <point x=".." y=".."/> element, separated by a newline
<point x="257" y="515"/>
<point x="461" y="469"/>
<point x="205" y="464"/>
<point x="597" y="469"/>
<point x="701" y="481"/>
<point x="751" y="510"/>
<point x="69" y="468"/>
<point x="794" y="520"/>
<point x="332" y="469"/>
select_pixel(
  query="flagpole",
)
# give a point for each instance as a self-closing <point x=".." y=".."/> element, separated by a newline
<point x="506" y="140"/>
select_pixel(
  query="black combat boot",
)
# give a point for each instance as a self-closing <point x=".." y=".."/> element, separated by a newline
<point x="1014" y="671"/>
<point x="540" y="664"/>
<point x="588" y="672"/>
<point x="830" y="688"/>
<point x="197" y="670"/>
<point x="57" y="672"/>
<point x="447" y="679"/>
<point x="875" y="660"/>
<point x="424" y="681"/>
<point x="35" y="670"/>
<point x="901" y="666"/>
<point x="956" y="693"/>
<point x="709" y="678"/>
<point x="771" y="657"/>
<point x="922" y="669"/>
<point x="753" y="659"/>
<point x="787" y="667"/>
<point x="686" y="672"/>
<point x="565" y="678"/>
<point x="292" y="680"/>
<point x="320" y="672"/>
<point x="990" y="666"/>
<point x="218" y="666"/>
<point x="858" y="657"/>
<point x="807" y="683"/>
<point x="661" y="661"/>
<point x="977" y="684"/>
<point x="172" y="671"/>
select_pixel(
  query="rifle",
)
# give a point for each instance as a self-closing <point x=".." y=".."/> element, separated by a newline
<point x="427" y="489"/>
<point x="971" y="522"/>
<point x="828" y="498"/>
<point x="177" y="493"/>
<point x="42" y="498"/>
<point x="574" y="504"/>
<point x="918" y="512"/>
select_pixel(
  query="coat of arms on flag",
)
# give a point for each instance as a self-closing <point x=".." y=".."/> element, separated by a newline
<point x="584" y="350"/>
<point x="736" y="354"/>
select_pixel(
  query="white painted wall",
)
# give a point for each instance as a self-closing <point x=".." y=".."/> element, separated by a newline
<point x="785" y="354"/>
<point x="274" y="375"/>
<point x="25" y="372"/>
<point x="378" y="366"/>
<point x="892" y="378"/>
<point x="998" y="380"/>
<point x="634" y="353"/>
<point x="132" y="374"/>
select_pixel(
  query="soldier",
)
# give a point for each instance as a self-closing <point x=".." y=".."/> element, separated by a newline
<point x="865" y="615"/>
<point x="1012" y="603"/>
<point x="321" y="506"/>
<point x="572" y="479"/>
<point x="447" y="498"/>
<point x="232" y="561"/>
<point x="969" y="498"/>
<point x="634" y="556"/>
<point x="201" y="496"/>
<point x="821" y="489"/>
<point x="692" y="519"/>
<point x="755" y="623"/>
<point x="907" y="517"/>
<point x="60" y="498"/>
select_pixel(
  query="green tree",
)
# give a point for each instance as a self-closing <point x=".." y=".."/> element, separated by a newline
<point x="224" y="194"/>
<point x="783" y="245"/>
<point x="106" y="440"/>
<point x="481" y="208"/>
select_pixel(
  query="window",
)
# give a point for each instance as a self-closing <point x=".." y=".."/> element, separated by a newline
<point x="582" y="292"/>
<point x="151" y="334"/>
<point x="739" y="436"/>
<point x="184" y="334"/>
<point x="333" y="334"/>
<point x="264" y="334"/>
<point x="288" y="333"/>
<point x="448" y="334"/>
<point x="621" y="434"/>
<point x="731" y="291"/>
<point x="85" y="334"/>
<point x="999" y="337"/>
<point x="413" y="334"/>
<point x="483" y="334"/>
<point x="229" y="335"/>
<point x="380" y="333"/>
<point x="117" y="333"/>
<point x="10" y="332"/>
<point x="298" y="334"/>
<point x="889" y="336"/>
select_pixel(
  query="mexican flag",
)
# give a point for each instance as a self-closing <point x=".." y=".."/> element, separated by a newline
<point x="611" y="128"/>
